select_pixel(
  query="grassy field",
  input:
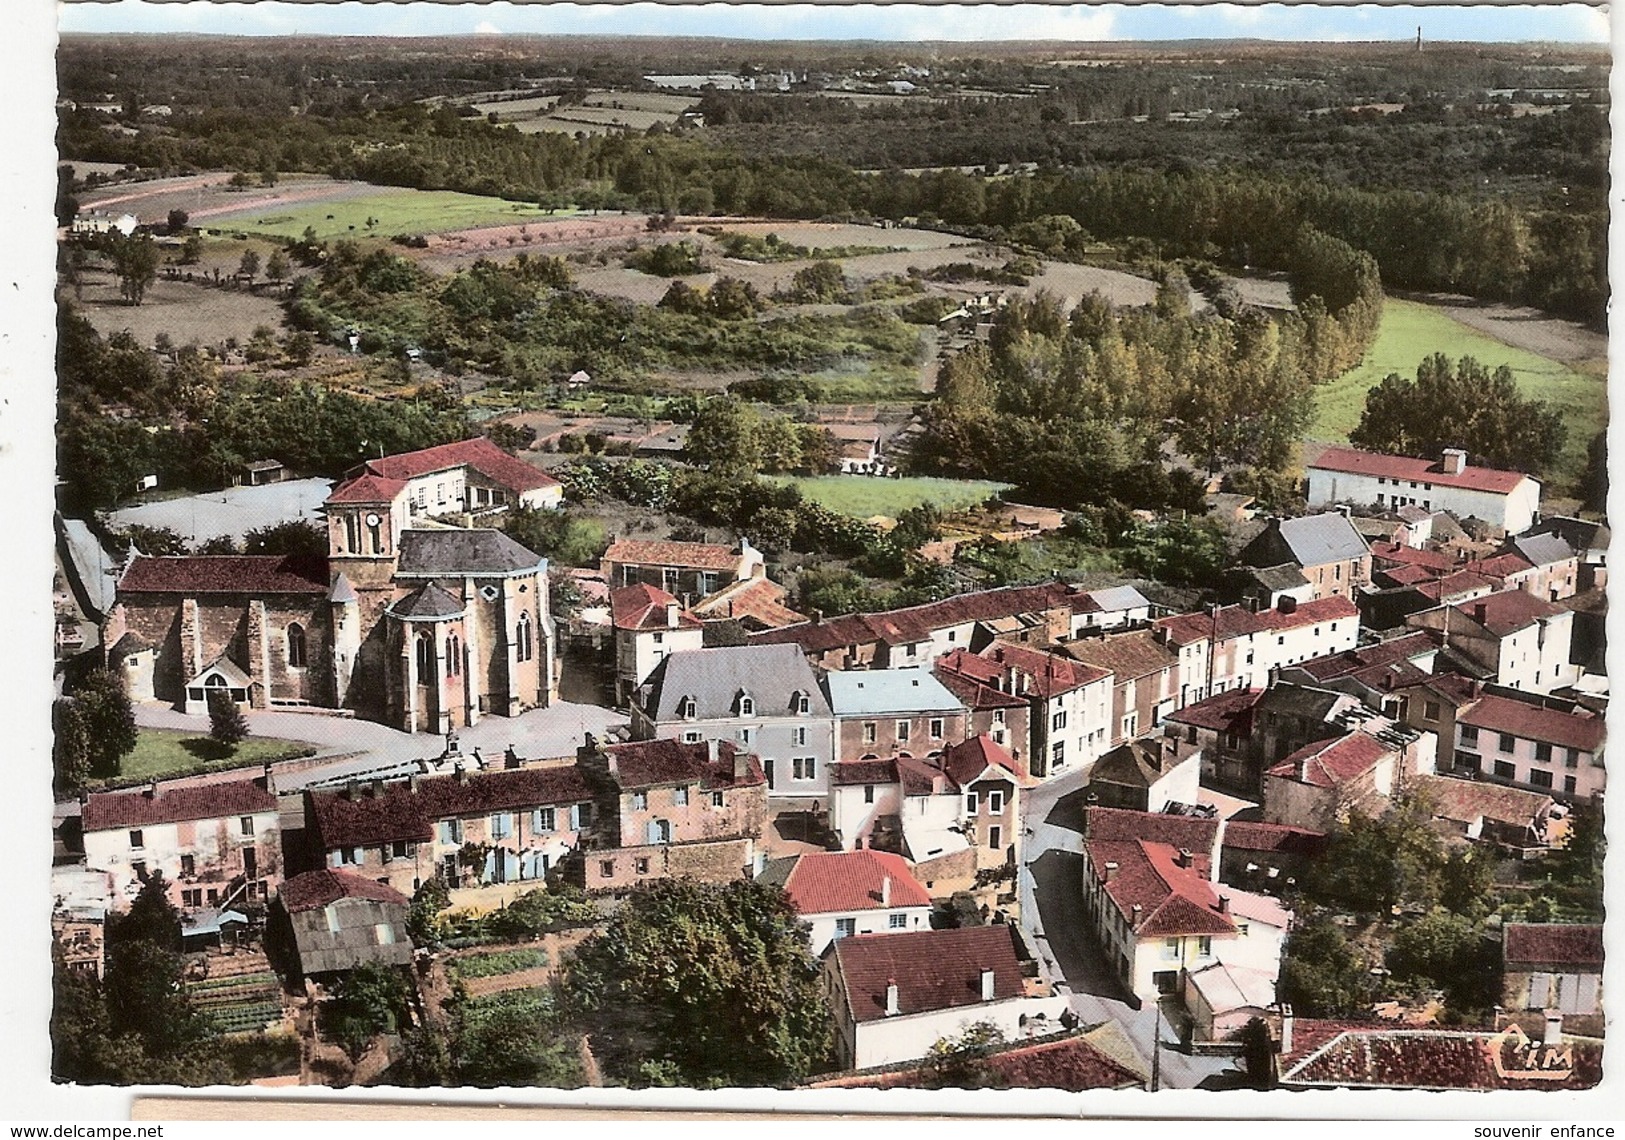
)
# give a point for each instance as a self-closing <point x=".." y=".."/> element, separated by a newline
<point x="164" y="752"/>
<point x="863" y="497"/>
<point x="394" y="212"/>
<point x="1412" y="331"/>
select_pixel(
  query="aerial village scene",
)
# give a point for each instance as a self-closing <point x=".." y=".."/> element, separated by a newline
<point x="657" y="561"/>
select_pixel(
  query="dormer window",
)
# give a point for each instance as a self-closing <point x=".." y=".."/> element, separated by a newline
<point x="686" y="708"/>
<point x="803" y="704"/>
<point x="745" y="704"/>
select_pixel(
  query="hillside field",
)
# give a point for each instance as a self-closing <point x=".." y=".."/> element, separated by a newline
<point x="864" y="497"/>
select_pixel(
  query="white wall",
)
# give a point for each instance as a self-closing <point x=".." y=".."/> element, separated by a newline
<point x="910" y="1037"/>
<point x="876" y="921"/>
<point x="1513" y="512"/>
<point x="852" y="818"/>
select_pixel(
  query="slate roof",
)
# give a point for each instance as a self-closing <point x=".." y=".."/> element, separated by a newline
<point x="428" y="601"/>
<point x="449" y="553"/>
<point x="643" y="607"/>
<point x="684" y="555"/>
<point x="397" y="812"/>
<point x="1112" y="599"/>
<point x="648" y="763"/>
<point x="225" y="574"/>
<point x="1193" y="832"/>
<point x="844" y="882"/>
<point x="479" y="453"/>
<point x="1279" y="579"/>
<point x="341" y="592"/>
<point x="1492" y="713"/>
<point x="1312" y="540"/>
<point x="1173" y="899"/>
<point x="177" y="803"/>
<point x="1580" y="534"/>
<point x="1332" y="763"/>
<point x="714" y="678"/>
<point x="933" y="969"/>
<point x="1303" y="701"/>
<point x="1230" y="622"/>
<point x="887" y="692"/>
<point x="1126" y="655"/>
<point x="1551" y="945"/>
<point x="1356" y="462"/>
<point x="315" y="889"/>
<point x="1543" y="549"/>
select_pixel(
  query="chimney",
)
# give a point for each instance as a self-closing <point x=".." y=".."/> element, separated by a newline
<point x="1554" y="1029"/>
<point x="268" y="774"/>
<point x="1134" y="916"/>
<point x="1455" y="460"/>
<point x="741" y="764"/>
<point x="351" y="790"/>
<point x="1111" y="871"/>
<point x="987" y="984"/>
<point x="1224" y="904"/>
<point x="1345" y="510"/>
<point x="376" y="790"/>
<point x="412" y="783"/>
<point x="998" y="654"/>
<point x="671" y="614"/>
<point x="1287" y="604"/>
<point x="885" y="890"/>
<point x="1183" y="859"/>
<point x="1286" y="1029"/>
<point x="460" y="772"/>
<point x="152" y="789"/>
<point x="892" y="1009"/>
<point x="817" y="617"/>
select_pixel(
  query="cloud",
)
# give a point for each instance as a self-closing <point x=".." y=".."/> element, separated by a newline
<point x="486" y="28"/>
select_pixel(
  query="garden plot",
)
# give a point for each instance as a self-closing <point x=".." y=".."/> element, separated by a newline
<point x="189" y="314"/>
<point x="241" y="1003"/>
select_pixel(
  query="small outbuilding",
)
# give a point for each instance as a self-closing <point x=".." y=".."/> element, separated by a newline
<point x="341" y="921"/>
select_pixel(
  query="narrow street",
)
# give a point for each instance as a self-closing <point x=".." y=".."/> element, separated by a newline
<point x="1052" y="914"/>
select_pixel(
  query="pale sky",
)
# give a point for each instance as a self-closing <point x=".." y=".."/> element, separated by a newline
<point x="1572" y="23"/>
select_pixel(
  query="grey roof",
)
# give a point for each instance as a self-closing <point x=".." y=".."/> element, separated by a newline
<point x="1301" y="701"/>
<point x="884" y="692"/>
<point x="428" y="601"/>
<point x="1313" y="540"/>
<point x="769" y="674"/>
<point x="341" y="592"/>
<point x="776" y="872"/>
<point x="1543" y="549"/>
<point x="1115" y="598"/>
<point x="450" y="553"/>
<point x="1582" y="534"/>
<point x="1286" y="576"/>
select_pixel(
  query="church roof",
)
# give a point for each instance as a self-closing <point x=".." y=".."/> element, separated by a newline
<point x="450" y="553"/>
<point x="428" y="601"/>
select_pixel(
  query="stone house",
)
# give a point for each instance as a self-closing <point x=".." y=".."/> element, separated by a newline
<point x="885" y="712"/>
<point x="1325" y="548"/>
<point x="340" y="921"/>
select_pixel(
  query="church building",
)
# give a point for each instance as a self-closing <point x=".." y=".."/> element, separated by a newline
<point x="417" y="617"/>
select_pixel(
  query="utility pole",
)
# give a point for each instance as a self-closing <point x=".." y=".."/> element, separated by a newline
<point x="1156" y="1048"/>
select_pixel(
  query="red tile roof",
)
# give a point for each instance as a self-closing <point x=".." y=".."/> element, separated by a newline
<point x="367" y="488"/>
<point x="1408" y="574"/>
<point x="686" y="555"/>
<point x="1462" y="583"/>
<point x="646" y="763"/>
<point x="1411" y="645"/>
<point x="643" y="607"/>
<point x="966" y="761"/>
<point x="1550" y="945"/>
<point x="755" y="600"/>
<point x="1172" y="899"/>
<point x="225" y="574"/>
<point x="1048" y="674"/>
<point x="1501" y="565"/>
<point x="1276" y="838"/>
<point x="398" y="813"/>
<point x="1333" y="763"/>
<point x="1508" y="611"/>
<point x="1230" y="622"/>
<point x="933" y="969"/>
<point x="1372" y="1057"/>
<point x="1374" y="464"/>
<point x="1070" y="1064"/>
<point x="479" y="453"/>
<point x="176" y="803"/>
<point x="850" y="772"/>
<point x="1230" y="711"/>
<point x="1583" y="730"/>
<point x="975" y="694"/>
<point x="918" y="623"/>
<point x="318" y="888"/>
<point x="1194" y="832"/>
<point x="842" y="882"/>
<point x="1402" y="555"/>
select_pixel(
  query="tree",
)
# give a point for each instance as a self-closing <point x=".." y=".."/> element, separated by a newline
<point x="1258" y="1054"/>
<point x="1465" y="405"/>
<point x="560" y="536"/>
<point x="192" y="249"/>
<point x="276" y="266"/>
<point x="1321" y="975"/>
<point x="177" y="220"/>
<point x="725" y="437"/>
<point x="961" y="1062"/>
<point x="714" y="979"/>
<point x="295" y="538"/>
<point x="1447" y="952"/>
<point x="249" y="266"/>
<point x="70" y="746"/>
<point x="1594" y="480"/>
<point x="1374" y="865"/>
<point x="107" y="718"/>
<point x="367" y="1001"/>
<point x="227" y="724"/>
<point x="135" y="264"/>
<point x="154" y="541"/>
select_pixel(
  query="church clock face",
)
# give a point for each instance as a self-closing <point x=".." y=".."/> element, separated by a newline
<point x="372" y="520"/>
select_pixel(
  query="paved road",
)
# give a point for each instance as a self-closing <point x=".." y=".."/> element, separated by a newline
<point x="1051" y="886"/>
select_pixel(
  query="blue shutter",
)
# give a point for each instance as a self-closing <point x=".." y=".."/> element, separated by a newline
<point x="575" y="817"/>
<point x="490" y="866"/>
<point x="510" y="866"/>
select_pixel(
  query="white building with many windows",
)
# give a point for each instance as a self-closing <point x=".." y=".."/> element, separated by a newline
<point x="1507" y="500"/>
<point x="1549" y="746"/>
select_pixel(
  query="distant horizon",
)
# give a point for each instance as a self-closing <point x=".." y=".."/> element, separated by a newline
<point x="1567" y="25"/>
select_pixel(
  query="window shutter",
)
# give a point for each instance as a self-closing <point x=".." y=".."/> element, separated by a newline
<point x="575" y="817"/>
<point x="1540" y="986"/>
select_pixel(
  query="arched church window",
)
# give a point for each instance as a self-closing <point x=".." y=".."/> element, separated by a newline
<point x="296" y="646"/>
<point x="426" y="656"/>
